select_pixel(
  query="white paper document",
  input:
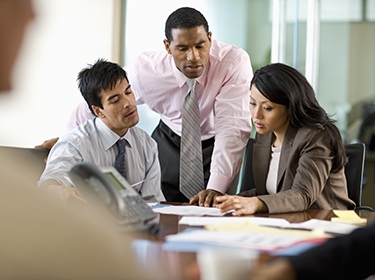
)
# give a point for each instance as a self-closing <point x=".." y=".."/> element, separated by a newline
<point x="313" y="224"/>
<point x="207" y="221"/>
<point x="327" y="226"/>
<point x="244" y="240"/>
<point x="189" y="210"/>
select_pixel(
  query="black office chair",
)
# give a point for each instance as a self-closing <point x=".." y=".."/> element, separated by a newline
<point x="354" y="173"/>
<point x="247" y="181"/>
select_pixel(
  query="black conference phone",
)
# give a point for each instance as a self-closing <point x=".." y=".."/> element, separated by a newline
<point x="107" y="191"/>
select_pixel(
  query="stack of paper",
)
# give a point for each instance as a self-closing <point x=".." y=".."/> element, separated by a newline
<point x="254" y="233"/>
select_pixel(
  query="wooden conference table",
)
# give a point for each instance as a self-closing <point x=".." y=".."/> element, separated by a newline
<point x="149" y="252"/>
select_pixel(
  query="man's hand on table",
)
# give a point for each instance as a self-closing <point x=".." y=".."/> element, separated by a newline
<point x="206" y="198"/>
<point x="69" y="195"/>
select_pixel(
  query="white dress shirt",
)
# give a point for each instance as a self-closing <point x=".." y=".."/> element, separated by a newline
<point x="95" y="143"/>
<point x="271" y="182"/>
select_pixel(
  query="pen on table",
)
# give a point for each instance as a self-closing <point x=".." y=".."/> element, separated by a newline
<point x="135" y="184"/>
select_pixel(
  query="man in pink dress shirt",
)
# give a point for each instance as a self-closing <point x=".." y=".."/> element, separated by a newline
<point x="223" y="74"/>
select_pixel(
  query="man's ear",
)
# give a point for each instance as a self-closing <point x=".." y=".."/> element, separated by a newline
<point x="98" y="111"/>
<point x="167" y="46"/>
<point x="210" y="37"/>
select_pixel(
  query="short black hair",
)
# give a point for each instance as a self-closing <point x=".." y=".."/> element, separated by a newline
<point x="184" y="18"/>
<point x="102" y="75"/>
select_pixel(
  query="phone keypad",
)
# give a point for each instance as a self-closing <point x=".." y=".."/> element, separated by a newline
<point x="135" y="207"/>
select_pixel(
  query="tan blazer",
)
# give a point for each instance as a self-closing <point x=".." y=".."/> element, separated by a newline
<point x="304" y="179"/>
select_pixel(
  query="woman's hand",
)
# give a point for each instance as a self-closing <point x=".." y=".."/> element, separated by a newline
<point x="241" y="205"/>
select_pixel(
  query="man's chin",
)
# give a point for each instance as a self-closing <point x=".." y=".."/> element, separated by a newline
<point x="134" y="122"/>
<point x="193" y="75"/>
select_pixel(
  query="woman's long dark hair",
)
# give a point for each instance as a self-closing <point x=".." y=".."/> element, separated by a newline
<point x="284" y="85"/>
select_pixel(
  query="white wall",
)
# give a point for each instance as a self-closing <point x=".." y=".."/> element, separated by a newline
<point x="66" y="35"/>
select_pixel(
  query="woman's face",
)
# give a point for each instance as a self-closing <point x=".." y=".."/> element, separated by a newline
<point x="268" y="116"/>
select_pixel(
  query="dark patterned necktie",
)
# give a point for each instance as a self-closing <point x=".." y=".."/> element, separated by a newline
<point x="120" y="159"/>
<point x="191" y="167"/>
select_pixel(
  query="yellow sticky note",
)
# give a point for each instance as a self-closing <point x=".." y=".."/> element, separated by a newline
<point x="346" y="214"/>
<point x="348" y="217"/>
<point x="360" y="222"/>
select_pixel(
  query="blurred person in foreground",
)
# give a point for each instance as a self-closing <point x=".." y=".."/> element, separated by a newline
<point x="41" y="238"/>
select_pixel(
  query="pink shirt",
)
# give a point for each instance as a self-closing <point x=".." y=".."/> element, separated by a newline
<point x="81" y="114"/>
<point x="223" y="92"/>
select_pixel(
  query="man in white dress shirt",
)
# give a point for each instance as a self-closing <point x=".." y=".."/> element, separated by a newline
<point x="107" y="91"/>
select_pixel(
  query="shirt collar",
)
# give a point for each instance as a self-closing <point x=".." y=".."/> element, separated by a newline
<point x="129" y="137"/>
<point x="110" y="138"/>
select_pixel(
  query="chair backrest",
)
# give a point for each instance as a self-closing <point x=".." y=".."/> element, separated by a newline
<point x="354" y="170"/>
<point x="247" y="181"/>
<point x="31" y="157"/>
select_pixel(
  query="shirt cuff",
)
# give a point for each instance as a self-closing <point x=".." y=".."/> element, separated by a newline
<point x="219" y="182"/>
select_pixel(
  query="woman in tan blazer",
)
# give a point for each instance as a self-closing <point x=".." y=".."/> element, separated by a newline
<point x="299" y="156"/>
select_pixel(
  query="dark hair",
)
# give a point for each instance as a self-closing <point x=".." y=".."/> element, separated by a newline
<point x="284" y="85"/>
<point x="184" y="18"/>
<point x="102" y="75"/>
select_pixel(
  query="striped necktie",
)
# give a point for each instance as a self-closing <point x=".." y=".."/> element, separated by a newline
<point x="120" y="159"/>
<point x="191" y="167"/>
